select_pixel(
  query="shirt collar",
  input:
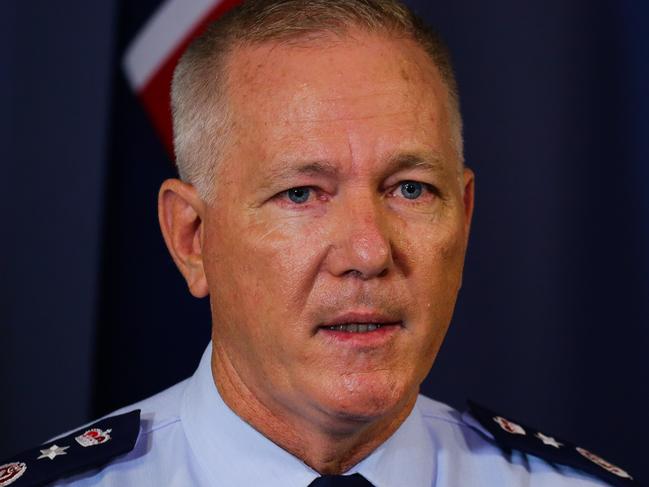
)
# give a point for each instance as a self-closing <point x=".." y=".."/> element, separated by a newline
<point x="231" y="452"/>
<point x="406" y="458"/>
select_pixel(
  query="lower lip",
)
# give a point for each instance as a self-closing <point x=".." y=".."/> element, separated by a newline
<point x="372" y="338"/>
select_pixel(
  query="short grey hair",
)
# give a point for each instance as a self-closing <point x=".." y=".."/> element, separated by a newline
<point x="201" y="119"/>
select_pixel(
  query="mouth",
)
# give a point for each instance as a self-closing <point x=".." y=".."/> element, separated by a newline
<point x="357" y="327"/>
<point x="360" y="324"/>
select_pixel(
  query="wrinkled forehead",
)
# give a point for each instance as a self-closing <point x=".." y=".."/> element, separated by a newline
<point x="291" y="90"/>
<point x="338" y="70"/>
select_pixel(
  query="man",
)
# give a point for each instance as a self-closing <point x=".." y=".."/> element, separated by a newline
<point x="324" y="207"/>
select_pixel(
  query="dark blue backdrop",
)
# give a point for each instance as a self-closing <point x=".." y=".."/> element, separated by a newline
<point x="551" y="325"/>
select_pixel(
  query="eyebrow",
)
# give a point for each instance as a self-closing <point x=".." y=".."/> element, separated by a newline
<point x="429" y="161"/>
<point x="288" y="170"/>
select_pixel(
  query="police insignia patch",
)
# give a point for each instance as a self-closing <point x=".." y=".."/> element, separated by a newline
<point x="509" y="426"/>
<point x="67" y="457"/>
<point x="518" y="436"/>
<point x="94" y="436"/>
<point x="10" y="472"/>
<point x="615" y="470"/>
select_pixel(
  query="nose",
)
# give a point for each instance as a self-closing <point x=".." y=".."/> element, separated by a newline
<point x="361" y="244"/>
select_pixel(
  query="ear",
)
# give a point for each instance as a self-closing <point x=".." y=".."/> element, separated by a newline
<point x="469" y="196"/>
<point x="180" y="212"/>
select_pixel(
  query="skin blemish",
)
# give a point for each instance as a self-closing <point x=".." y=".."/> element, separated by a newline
<point x="404" y="74"/>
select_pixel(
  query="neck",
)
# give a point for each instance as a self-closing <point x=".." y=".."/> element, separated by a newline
<point x="329" y="444"/>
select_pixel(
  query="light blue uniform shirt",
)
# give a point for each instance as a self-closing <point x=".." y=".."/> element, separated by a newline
<point x="190" y="437"/>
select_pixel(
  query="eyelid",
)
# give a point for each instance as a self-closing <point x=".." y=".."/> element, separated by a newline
<point x="431" y="188"/>
<point x="283" y="195"/>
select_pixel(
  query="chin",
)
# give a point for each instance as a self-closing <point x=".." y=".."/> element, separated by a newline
<point x="366" y="398"/>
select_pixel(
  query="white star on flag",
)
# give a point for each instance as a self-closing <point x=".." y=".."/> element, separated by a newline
<point x="548" y="440"/>
<point x="53" y="452"/>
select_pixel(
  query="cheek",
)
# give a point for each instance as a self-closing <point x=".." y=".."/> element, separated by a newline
<point x="267" y="270"/>
<point x="286" y="257"/>
<point x="434" y="248"/>
<point x="435" y="260"/>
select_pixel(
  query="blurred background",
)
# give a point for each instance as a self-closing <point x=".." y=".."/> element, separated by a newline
<point x="551" y="326"/>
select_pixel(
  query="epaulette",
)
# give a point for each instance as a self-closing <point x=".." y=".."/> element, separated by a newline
<point x="89" y="447"/>
<point x="514" y="435"/>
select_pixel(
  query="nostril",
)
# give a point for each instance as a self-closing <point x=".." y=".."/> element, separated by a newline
<point x="354" y="273"/>
<point x="357" y="274"/>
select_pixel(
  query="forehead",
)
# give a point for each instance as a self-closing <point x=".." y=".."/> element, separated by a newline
<point x="318" y="94"/>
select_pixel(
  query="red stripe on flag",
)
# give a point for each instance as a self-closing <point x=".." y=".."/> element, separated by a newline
<point x="155" y="94"/>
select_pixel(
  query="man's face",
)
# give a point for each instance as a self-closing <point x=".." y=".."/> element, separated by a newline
<point x="334" y="248"/>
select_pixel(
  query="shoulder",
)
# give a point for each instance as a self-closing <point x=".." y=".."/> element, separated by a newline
<point x="160" y="445"/>
<point x="117" y="444"/>
<point x="486" y="448"/>
<point x="158" y="411"/>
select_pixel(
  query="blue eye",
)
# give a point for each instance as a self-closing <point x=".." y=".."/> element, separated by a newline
<point x="299" y="195"/>
<point x="411" y="189"/>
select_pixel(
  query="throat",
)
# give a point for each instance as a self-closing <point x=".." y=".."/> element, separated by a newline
<point x="329" y="444"/>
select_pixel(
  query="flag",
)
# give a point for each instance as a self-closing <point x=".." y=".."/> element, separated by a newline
<point x="151" y="57"/>
<point x="151" y="331"/>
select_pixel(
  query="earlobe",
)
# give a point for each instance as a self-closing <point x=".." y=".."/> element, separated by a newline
<point x="180" y="213"/>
